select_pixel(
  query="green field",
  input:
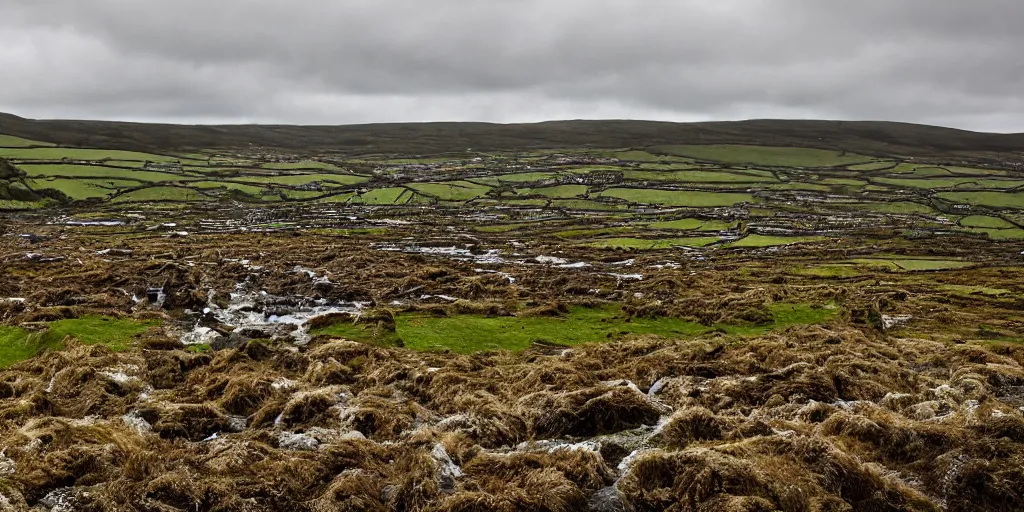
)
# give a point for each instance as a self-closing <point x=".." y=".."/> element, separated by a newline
<point x="525" y="177"/>
<point x="53" y="153"/>
<point x="949" y="183"/>
<point x="769" y="241"/>
<point x="843" y="182"/>
<point x="697" y="177"/>
<point x="10" y="141"/>
<point x="305" y="179"/>
<point x="678" y="198"/>
<point x="228" y="185"/>
<point x="899" y="207"/>
<point x="451" y="191"/>
<point x="305" y="164"/>
<point x="872" y="166"/>
<point x="161" y="194"/>
<point x="380" y="196"/>
<point x="76" y="189"/>
<point x="95" y="171"/>
<point x="993" y="199"/>
<point x="766" y="155"/>
<point x="693" y="224"/>
<point x="561" y="191"/>
<point x="577" y="233"/>
<point x="981" y="221"/>
<point x="1001" y="233"/>
<point x="912" y="265"/>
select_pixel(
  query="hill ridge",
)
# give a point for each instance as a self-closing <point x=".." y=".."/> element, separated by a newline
<point x="881" y="138"/>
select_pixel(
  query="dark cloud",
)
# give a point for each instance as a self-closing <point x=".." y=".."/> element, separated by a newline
<point x="343" y="61"/>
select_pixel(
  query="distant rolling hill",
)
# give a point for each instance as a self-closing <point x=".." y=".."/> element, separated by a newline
<point x="865" y="137"/>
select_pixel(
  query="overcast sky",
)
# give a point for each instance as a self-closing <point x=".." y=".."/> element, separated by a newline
<point x="948" y="62"/>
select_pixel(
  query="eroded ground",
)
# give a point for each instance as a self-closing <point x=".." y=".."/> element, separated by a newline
<point x="350" y="365"/>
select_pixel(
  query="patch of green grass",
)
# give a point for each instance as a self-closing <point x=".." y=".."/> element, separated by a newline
<point x="974" y="290"/>
<point x="9" y="204"/>
<point x="993" y="199"/>
<point x="451" y="191"/>
<point x="581" y="204"/>
<point x="563" y="191"/>
<point x="75" y="189"/>
<point x="471" y="333"/>
<point x="697" y="177"/>
<point x="678" y="197"/>
<point x="931" y="172"/>
<point x="526" y="202"/>
<point x="813" y="187"/>
<point x="116" y="333"/>
<point x="55" y="153"/>
<point x="1000" y="234"/>
<point x="477" y="333"/>
<point x="94" y="171"/>
<point x="337" y="198"/>
<point x="380" y="196"/>
<point x="949" y="183"/>
<point x="767" y="155"/>
<point x="769" y="241"/>
<point x="872" y="166"/>
<point x="503" y="228"/>
<point x="363" y="331"/>
<point x="525" y="177"/>
<point x="911" y="265"/>
<point x="652" y="244"/>
<point x="977" y="172"/>
<point x="754" y="172"/>
<point x="835" y="271"/>
<point x="681" y="224"/>
<point x="18" y="344"/>
<point x="918" y="265"/>
<point x="639" y="156"/>
<point x="904" y="207"/>
<point x="305" y="164"/>
<point x="982" y="221"/>
<point x="843" y="181"/>
<point x="305" y="179"/>
<point x="10" y="141"/>
<point x="227" y="185"/>
<point x="300" y="194"/>
<point x="576" y="233"/>
<point x="787" y="314"/>
<point x="162" y="194"/>
<point x="693" y="225"/>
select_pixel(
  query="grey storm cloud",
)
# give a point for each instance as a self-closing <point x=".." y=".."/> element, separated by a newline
<point x="947" y="62"/>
